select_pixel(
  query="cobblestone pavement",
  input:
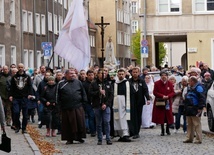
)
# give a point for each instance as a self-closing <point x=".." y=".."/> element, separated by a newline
<point x="149" y="143"/>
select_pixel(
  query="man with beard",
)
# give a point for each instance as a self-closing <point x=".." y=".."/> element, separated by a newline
<point x="20" y="92"/>
<point x="121" y="106"/>
<point x="102" y="94"/>
<point x="138" y="93"/>
<point x="70" y="97"/>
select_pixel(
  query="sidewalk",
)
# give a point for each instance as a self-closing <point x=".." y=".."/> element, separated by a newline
<point x="21" y="144"/>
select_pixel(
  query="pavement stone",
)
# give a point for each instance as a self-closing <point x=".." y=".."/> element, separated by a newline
<point x="149" y="143"/>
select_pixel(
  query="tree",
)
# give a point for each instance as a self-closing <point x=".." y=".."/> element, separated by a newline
<point x="135" y="44"/>
<point x="162" y="52"/>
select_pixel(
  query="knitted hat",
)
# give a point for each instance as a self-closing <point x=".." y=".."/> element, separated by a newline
<point x="51" y="78"/>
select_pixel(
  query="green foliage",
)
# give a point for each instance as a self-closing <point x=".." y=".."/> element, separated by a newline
<point x="162" y="52"/>
<point x="135" y="44"/>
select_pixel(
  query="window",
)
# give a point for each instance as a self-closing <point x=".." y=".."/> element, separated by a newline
<point x="134" y="26"/>
<point x="65" y="4"/>
<point x="60" y="22"/>
<point x="126" y="39"/>
<point x="24" y="21"/>
<point x="120" y="37"/>
<point x="25" y="58"/>
<point x="39" y="59"/>
<point x="2" y="55"/>
<point x="126" y="18"/>
<point x="31" y="59"/>
<point x="13" y="55"/>
<point x="204" y="5"/>
<point x="30" y="21"/>
<point x="169" y="6"/>
<point x="92" y="41"/>
<point x="49" y="21"/>
<point x="12" y="12"/>
<point x="43" y="24"/>
<point x="55" y="24"/>
<point x="134" y="7"/>
<point x="119" y="15"/>
<point x="38" y="23"/>
<point x="2" y="11"/>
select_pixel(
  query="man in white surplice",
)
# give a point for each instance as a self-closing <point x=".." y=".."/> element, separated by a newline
<point x="121" y="106"/>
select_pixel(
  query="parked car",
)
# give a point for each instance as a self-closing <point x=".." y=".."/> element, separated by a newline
<point x="210" y="107"/>
<point x="156" y="76"/>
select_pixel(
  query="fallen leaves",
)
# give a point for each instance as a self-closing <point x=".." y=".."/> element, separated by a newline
<point x="46" y="148"/>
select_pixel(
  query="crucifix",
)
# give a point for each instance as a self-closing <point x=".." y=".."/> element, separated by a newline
<point x="102" y="25"/>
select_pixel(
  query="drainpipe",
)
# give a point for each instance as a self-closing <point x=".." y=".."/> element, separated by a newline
<point x="34" y="29"/>
<point x="21" y="28"/>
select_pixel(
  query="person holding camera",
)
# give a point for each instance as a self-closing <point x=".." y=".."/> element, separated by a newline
<point x="194" y="104"/>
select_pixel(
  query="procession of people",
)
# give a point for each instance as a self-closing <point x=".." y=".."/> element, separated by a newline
<point x="93" y="102"/>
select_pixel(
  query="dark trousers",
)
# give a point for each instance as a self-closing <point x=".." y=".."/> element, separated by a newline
<point x="91" y="118"/>
<point x="178" y="118"/>
<point x="18" y="106"/>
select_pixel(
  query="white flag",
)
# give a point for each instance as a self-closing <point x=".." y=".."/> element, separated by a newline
<point x="73" y="43"/>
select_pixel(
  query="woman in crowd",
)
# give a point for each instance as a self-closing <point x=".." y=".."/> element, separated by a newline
<point x="50" y="112"/>
<point x="162" y="111"/>
<point x="147" y="109"/>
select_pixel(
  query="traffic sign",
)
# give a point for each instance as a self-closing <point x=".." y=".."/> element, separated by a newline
<point x="144" y="42"/>
<point x="46" y="45"/>
<point x="144" y="51"/>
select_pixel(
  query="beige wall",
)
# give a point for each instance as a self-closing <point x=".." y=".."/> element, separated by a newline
<point x="201" y="41"/>
<point x="98" y="8"/>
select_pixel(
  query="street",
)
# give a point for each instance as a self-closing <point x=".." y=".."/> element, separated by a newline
<point x="150" y="143"/>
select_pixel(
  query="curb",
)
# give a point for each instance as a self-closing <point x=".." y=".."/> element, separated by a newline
<point x="32" y="144"/>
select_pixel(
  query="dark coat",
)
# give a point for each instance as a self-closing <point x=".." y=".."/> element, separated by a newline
<point x="137" y="100"/>
<point x="97" y="97"/>
<point x="71" y="94"/>
<point x="160" y="115"/>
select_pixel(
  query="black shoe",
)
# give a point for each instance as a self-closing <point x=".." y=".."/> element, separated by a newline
<point x="136" y="136"/>
<point x="108" y="142"/>
<point x="99" y="143"/>
<point x="13" y="127"/>
<point x="162" y="134"/>
<point x="69" y="142"/>
<point x="126" y="139"/>
<point x="81" y="140"/>
<point x="93" y="134"/>
<point x="58" y="133"/>
<point x="17" y="130"/>
<point x="168" y="133"/>
<point x="24" y="131"/>
<point x="120" y="139"/>
<point x="40" y="126"/>
<point x="33" y="121"/>
<point x="205" y="114"/>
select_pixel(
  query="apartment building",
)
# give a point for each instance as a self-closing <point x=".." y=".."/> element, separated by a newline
<point x="26" y="24"/>
<point x="118" y="14"/>
<point x="188" y="21"/>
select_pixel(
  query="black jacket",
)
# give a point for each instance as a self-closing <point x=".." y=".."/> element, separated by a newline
<point x="97" y="98"/>
<point x="71" y="94"/>
<point x="21" y="86"/>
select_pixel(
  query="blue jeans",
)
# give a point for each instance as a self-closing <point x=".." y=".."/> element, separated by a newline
<point x="102" y="116"/>
<point x="40" y="111"/>
<point x="18" y="105"/>
<point x="178" y="117"/>
<point x="90" y="112"/>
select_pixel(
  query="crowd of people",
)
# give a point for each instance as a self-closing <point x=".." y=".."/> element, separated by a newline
<point x="105" y="103"/>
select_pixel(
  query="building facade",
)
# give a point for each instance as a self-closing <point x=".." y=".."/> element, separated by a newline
<point x="118" y="14"/>
<point x="26" y="24"/>
<point x="188" y="21"/>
